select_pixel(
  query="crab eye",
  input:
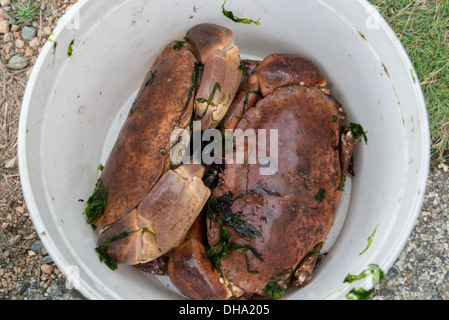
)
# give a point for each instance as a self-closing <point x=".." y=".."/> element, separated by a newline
<point x="163" y="152"/>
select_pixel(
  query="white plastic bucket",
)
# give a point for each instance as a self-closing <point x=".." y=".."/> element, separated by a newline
<point x="74" y="107"/>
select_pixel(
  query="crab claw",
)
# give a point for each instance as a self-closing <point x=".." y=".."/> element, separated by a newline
<point x="192" y="273"/>
<point x="162" y="219"/>
<point x="205" y="38"/>
<point x="295" y="70"/>
<point x="219" y="85"/>
<point x="214" y="47"/>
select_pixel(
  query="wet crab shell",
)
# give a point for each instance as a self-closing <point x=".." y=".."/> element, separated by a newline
<point x="284" y="207"/>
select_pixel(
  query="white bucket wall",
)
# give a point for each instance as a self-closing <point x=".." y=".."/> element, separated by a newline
<point x="74" y="107"/>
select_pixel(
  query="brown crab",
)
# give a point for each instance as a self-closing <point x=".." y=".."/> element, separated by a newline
<point x="265" y="231"/>
<point x="141" y="208"/>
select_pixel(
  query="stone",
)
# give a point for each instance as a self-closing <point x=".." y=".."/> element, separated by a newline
<point x="9" y="48"/>
<point x="35" y="43"/>
<point x="28" y="33"/>
<point x="48" y="30"/>
<point x="5" y="3"/>
<point x="46" y="260"/>
<point x="29" y="52"/>
<point x="20" y="209"/>
<point x="4" y="26"/>
<point x="22" y="287"/>
<point x="37" y="246"/>
<point x="19" y="43"/>
<point x="54" y="291"/>
<point x="4" y="14"/>
<point x="12" y="163"/>
<point x="443" y="167"/>
<point x="47" y="269"/>
<point x="15" y="240"/>
<point x="7" y="37"/>
<point x="18" y="62"/>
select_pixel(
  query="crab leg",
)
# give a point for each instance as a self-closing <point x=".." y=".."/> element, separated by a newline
<point x="303" y="274"/>
<point x="348" y="143"/>
<point x="245" y="99"/>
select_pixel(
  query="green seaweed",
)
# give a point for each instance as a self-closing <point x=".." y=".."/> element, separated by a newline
<point x="362" y="294"/>
<point x="102" y="250"/>
<point x="218" y="251"/>
<point x="209" y="101"/>
<point x="96" y="203"/>
<point x="358" y="131"/>
<point x="222" y="208"/>
<point x="151" y="80"/>
<point x="70" y="49"/>
<point x="320" y="195"/>
<point x="370" y="241"/>
<point x="178" y="44"/>
<point x="230" y="15"/>
<point x="274" y="290"/>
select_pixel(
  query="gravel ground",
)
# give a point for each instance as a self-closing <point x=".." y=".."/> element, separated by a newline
<point x="27" y="271"/>
<point x="422" y="270"/>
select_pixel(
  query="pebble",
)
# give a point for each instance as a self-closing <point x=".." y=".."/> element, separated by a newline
<point x="48" y="31"/>
<point x="4" y="26"/>
<point x="37" y="246"/>
<point x="15" y="240"/>
<point x="47" y="269"/>
<point x="46" y="260"/>
<point x="28" y="33"/>
<point x="4" y="13"/>
<point x="22" y="287"/>
<point x="35" y="43"/>
<point x="29" y="52"/>
<point x="19" y="45"/>
<point x="18" y="62"/>
<point x="5" y="3"/>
